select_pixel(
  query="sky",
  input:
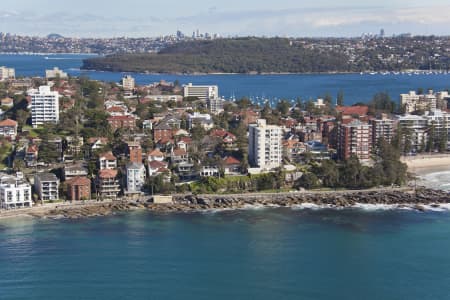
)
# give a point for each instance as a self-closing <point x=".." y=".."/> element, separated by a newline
<point x="294" y="18"/>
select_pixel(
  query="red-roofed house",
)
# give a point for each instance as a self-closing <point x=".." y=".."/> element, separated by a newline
<point x="155" y="155"/>
<point x="107" y="161"/>
<point x="31" y="155"/>
<point x="178" y="156"/>
<point x="231" y="165"/>
<point x="8" y="128"/>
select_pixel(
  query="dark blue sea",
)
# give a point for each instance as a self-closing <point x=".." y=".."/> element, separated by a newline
<point x="356" y="87"/>
<point x="252" y="254"/>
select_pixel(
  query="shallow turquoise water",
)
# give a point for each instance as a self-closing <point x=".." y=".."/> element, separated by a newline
<point x="254" y="254"/>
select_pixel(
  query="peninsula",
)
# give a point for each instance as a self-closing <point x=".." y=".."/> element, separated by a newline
<point x="253" y="55"/>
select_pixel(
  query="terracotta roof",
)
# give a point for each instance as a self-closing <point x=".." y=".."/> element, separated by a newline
<point x="116" y="109"/>
<point x="107" y="173"/>
<point x="32" y="148"/>
<point x="157" y="164"/>
<point x="79" y="181"/>
<point x="8" y="122"/>
<point x="353" y="110"/>
<point x="156" y="152"/>
<point x="179" y="152"/>
<point x="108" y="156"/>
<point x="231" y="161"/>
<point x="102" y="140"/>
<point x="120" y="118"/>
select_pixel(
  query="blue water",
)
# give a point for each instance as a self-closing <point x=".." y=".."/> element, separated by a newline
<point x="255" y="254"/>
<point x="356" y="87"/>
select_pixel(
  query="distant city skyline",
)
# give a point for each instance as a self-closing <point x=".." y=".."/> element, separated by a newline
<point x="140" y="18"/>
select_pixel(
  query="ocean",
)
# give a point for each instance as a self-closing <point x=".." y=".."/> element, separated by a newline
<point x="246" y="254"/>
<point x="277" y="253"/>
<point x="356" y="87"/>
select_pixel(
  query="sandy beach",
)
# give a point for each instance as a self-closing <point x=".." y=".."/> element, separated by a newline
<point x="427" y="164"/>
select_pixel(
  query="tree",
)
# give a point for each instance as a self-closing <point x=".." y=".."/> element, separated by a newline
<point x="307" y="181"/>
<point x="329" y="174"/>
<point x="340" y="98"/>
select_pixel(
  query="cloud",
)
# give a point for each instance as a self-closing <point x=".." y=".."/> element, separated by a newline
<point x="311" y="21"/>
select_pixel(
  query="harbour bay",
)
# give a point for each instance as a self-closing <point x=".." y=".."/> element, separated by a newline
<point x="356" y="87"/>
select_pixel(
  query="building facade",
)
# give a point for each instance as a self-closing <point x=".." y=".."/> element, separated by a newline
<point x="55" y="73"/>
<point x="202" y="92"/>
<point x="107" y="185"/>
<point x="8" y="128"/>
<point x="135" y="177"/>
<point x="383" y="128"/>
<point x="265" y="145"/>
<point x="354" y="139"/>
<point x="15" y="192"/>
<point x="79" y="188"/>
<point x="44" y="106"/>
<point x="7" y="73"/>
<point x="46" y="186"/>
<point x="128" y="83"/>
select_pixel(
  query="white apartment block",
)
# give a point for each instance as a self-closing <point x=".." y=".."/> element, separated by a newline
<point x="7" y="73"/>
<point x="135" y="177"/>
<point x="15" y="192"/>
<point x="417" y="126"/>
<point x="202" y="92"/>
<point x="413" y="102"/>
<point x="215" y="105"/>
<point x="44" y="106"/>
<point x="264" y="145"/>
<point x="55" y="73"/>
<point x="128" y="83"/>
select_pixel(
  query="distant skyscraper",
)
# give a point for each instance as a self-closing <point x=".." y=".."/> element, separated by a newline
<point x="382" y="32"/>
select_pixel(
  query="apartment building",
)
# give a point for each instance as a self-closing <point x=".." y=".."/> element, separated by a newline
<point x="128" y="83"/>
<point x="44" y="106"/>
<point x="202" y="92"/>
<point x="7" y="73"/>
<point x="107" y="185"/>
<point x="55" y="73"/>
<point x="136" y="175"/>
<point x="354" y="139"/>
<point x="265" y="145"/>
<point x="383" y="127"/>
<point x="15" y="192"/>
<point x="46" y="186"/>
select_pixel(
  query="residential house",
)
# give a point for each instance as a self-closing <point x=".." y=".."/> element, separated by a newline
<point x="31" y="155"/>
<point x="8" y="129"/>
<point x="179" y="156"/>
<point x="231" y="165"/>
<point x="107" y="161"/>
<point x="156" y="155"/>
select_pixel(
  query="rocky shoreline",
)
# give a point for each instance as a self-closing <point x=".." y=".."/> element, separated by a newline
<point x="196" y="203"/>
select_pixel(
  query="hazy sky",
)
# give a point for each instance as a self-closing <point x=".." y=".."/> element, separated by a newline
<point x="137" y="18"/>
